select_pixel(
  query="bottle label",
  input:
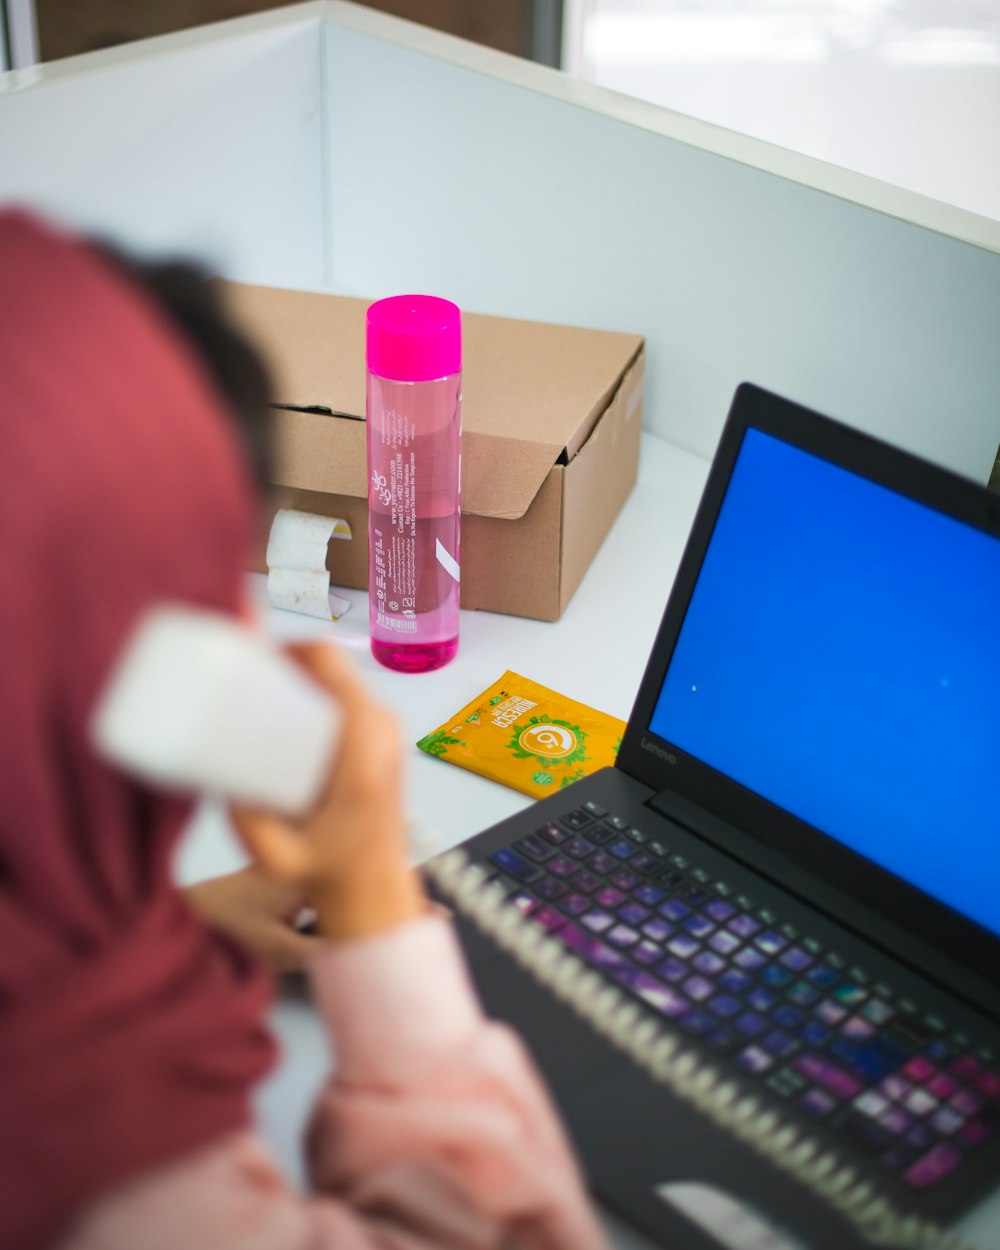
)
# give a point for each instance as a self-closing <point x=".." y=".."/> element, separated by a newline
<point x="413" y="528"/>
<point x="394" y="486"/>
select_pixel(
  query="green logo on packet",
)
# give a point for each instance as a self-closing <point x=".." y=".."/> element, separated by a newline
<point x="542" y="779"/>
<point x="548" y="741"/>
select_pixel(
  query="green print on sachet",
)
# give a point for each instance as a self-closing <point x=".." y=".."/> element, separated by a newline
<point x="526" y="736"/>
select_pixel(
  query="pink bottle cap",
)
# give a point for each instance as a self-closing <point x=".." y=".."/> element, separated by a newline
<point x="414" y="338"/>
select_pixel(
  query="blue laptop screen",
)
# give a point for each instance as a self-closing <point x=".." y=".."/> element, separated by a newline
<point x="840" y="656"/>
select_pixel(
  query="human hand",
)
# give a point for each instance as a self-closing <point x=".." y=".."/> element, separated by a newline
<point x="259" y="911"/>
<point x="349" y="854"/>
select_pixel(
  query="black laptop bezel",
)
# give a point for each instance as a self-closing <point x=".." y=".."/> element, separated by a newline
<point x="662" y="765"/>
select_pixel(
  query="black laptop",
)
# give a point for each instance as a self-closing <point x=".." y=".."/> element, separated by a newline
<point x="794" y="866"/>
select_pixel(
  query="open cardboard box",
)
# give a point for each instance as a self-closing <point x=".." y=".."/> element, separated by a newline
<point x="551" y="417"/>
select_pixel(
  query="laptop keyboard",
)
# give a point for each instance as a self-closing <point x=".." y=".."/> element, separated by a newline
<point x="895" y="1082"/>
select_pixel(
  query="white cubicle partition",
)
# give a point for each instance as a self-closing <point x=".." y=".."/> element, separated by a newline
<point x="518" y="190"/>
<point x="210" y="142"/>
<point x="327" y="145"/>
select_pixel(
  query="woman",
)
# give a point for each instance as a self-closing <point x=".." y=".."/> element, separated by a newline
<point x="131" y="1034"/>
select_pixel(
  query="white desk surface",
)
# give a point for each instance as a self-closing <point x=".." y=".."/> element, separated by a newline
<point x="596" y="653"/>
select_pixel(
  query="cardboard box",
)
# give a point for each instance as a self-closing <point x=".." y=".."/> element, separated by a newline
<point x="551" y="419"/>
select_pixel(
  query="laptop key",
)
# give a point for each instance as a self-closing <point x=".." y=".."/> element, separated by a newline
<point x="719" y="910"/>
<point x="646" y="952"/>
<point x="585" y="882"/>
<point x="670" y="879"/>
<point x="744" y="926"/>
<point x="621" y="849"/>
<point x="535" y="848"/>
<point x="785" y="1082"/>
<point x="849" y="994"/>
<point x="661" y="997"/>
<point x="824" y="976"/>
<point x="549" y="919"/>
<point x="932" y="1167"/>
<point x="591" y="948"/>
<point x="725" y="1041"/>
<point x="549" y="888"/>
<point x="516" y="866"/>
<point x="755" y="1060"/>
<point x="601" y="862"/>
<point x="525" y="902"/>
<point x="594" y="808"/>
<point x="780" y="1044"/>
<point x="834" y="1079"/>
<point x="697" y="1022"/>
<point x="578" y="847"/>
<point x="817" y="1102"/>
<point x="750" y="1024"/>
<point x="600" y="834"/>
<point x="815" y="1034"/>
<point x="648" y="894"/>
<point x="769" y="941"/>
<point x="578" y="819"/>
<point x="801" y="994"/>
<point x="574" y="904"/>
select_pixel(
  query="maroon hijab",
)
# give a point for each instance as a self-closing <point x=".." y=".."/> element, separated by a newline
<point x="129" y="1034"/>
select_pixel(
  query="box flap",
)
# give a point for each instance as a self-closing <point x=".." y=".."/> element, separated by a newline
<point x="532" y="393"/>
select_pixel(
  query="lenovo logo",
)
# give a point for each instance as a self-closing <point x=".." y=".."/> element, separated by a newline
<point x="654" y="749"/>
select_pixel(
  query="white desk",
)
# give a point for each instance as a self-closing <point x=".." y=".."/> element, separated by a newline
<point x="596" y="653"/>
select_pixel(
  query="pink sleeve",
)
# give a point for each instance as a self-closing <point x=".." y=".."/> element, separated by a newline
<point x="434" y="1133"/>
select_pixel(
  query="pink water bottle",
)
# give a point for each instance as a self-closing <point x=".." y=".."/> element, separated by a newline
<point x="414" y="416"/>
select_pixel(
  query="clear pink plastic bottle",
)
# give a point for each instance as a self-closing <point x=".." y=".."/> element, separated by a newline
<point x="414" y="416"/>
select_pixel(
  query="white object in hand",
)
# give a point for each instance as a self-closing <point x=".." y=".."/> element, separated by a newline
<point x="200" y="702"/>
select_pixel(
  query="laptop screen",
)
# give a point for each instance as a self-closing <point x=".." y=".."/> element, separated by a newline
<point x="840" y="657"/>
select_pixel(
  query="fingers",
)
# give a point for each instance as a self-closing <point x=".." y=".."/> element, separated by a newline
<point x="286" y="950"/>
<point x="275" y="844"/>
<point x="371" y="744"/>
<point x="332" y="668"/>
<point x="255" y="910"/>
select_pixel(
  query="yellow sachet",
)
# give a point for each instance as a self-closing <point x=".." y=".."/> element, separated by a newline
<point x="527" y="737"/>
